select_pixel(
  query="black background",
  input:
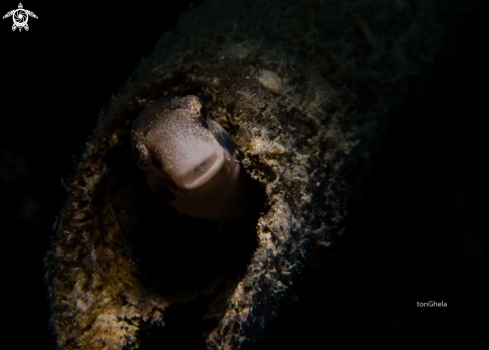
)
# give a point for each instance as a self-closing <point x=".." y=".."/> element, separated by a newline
<point x="414" y="237"/>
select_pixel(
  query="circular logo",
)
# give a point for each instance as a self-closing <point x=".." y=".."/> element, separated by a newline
<point x="20" y="17"/>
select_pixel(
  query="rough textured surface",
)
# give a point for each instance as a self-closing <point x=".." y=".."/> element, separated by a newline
<point x="346" y="70"/>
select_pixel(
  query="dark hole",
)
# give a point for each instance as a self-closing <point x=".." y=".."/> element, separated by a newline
<point x="180" y="256"/>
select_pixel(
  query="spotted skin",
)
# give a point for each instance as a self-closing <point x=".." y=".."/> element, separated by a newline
<point x="190" y="161"/>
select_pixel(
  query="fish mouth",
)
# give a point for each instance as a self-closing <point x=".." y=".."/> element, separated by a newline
<point x="202" y="172"/>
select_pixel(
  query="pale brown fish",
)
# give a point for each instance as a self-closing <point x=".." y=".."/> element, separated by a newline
<point x="190" y="161"/>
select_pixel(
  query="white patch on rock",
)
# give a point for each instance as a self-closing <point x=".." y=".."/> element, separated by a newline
<point x="270" y="80"/>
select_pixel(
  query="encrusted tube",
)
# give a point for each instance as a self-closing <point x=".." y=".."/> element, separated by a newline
<point x="305" y="90"/>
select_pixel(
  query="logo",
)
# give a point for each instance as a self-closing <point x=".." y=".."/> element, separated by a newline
<point x="20" y="17"/>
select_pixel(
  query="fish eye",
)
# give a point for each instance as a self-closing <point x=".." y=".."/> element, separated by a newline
<point x="141" y="156"/>
<point x="192" y="102"/>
